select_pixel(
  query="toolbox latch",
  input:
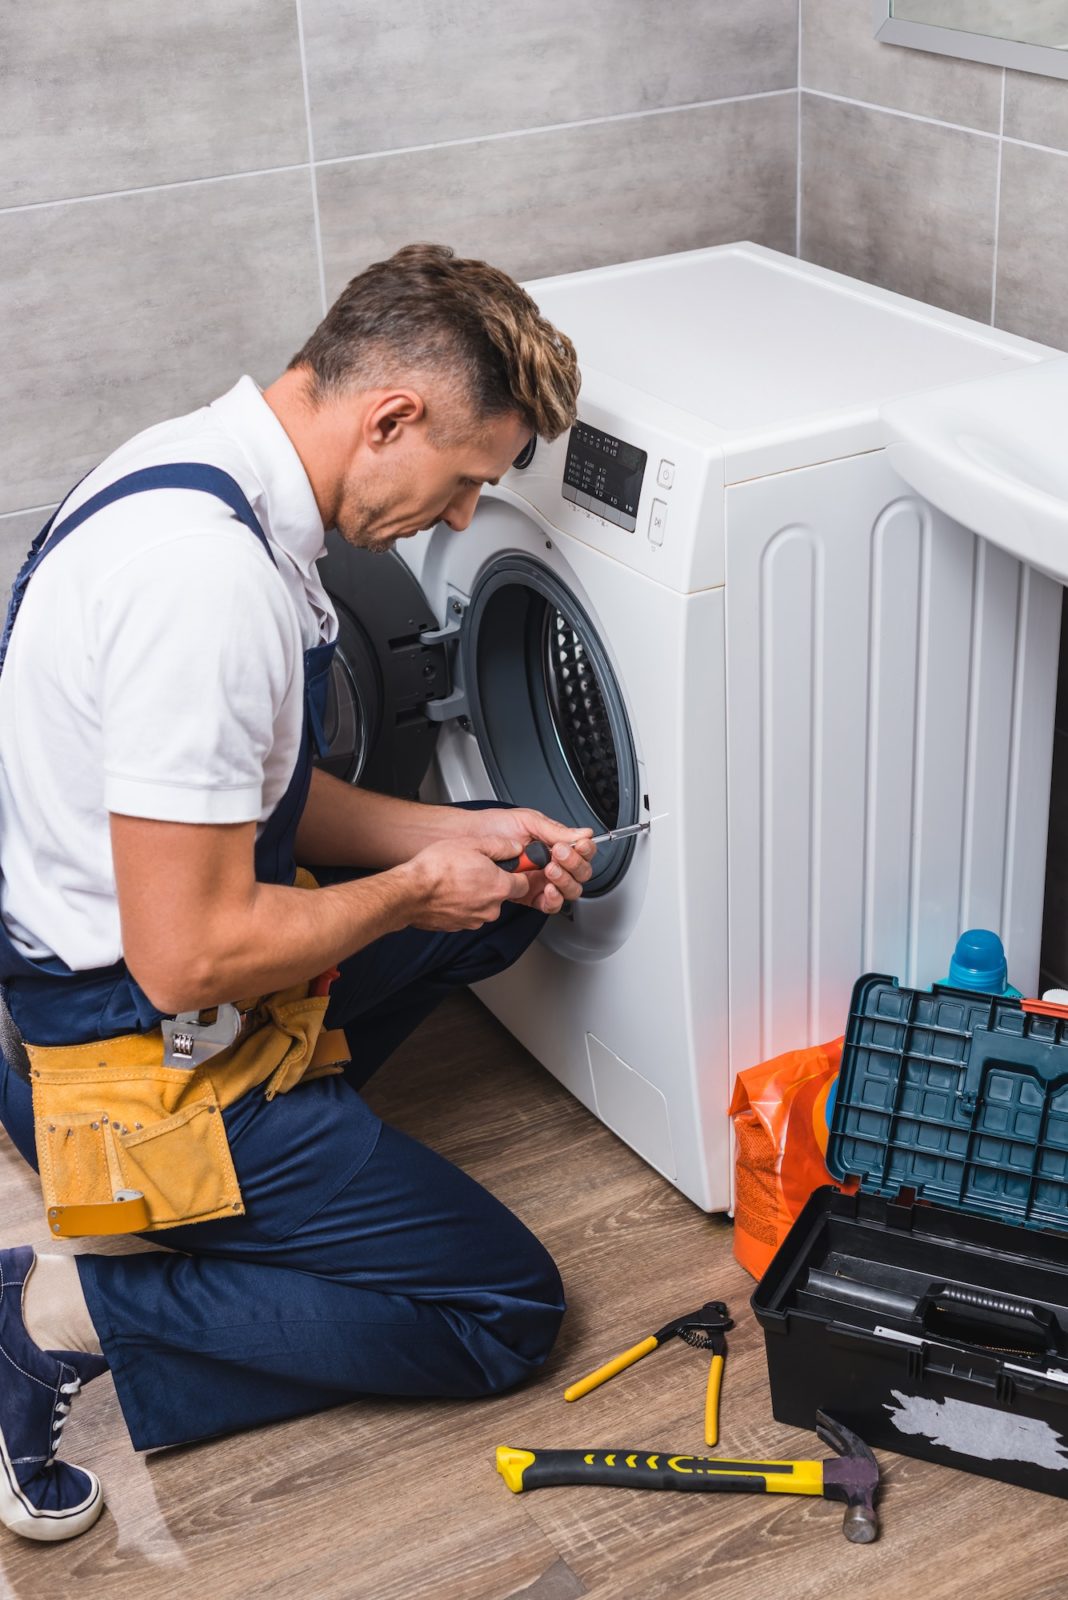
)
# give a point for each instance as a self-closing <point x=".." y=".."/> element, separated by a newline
<point x="899" y="1211"/>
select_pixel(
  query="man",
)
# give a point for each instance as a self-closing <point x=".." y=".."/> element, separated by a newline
<point x="166" y="654"/>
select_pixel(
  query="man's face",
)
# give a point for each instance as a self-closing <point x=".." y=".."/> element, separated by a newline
<point x="417" y="483"/>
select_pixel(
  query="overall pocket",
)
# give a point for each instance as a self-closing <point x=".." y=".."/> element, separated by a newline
<point x="125" y="1144"/>
<point x="128" y="1145"/>
<point x="182" y="1165"/>
<point x="73" y="1156"/>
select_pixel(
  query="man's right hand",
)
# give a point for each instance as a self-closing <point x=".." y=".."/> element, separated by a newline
<point x="460" y="885"/>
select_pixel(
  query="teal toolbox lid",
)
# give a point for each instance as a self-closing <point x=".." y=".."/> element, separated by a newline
<point x="960" y="1096"/>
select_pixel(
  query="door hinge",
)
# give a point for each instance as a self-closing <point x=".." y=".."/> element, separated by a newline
<point x="452" y="707"/>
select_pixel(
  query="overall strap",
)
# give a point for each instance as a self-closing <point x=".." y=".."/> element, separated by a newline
<point x="171" y="475"/>
<point x="108" y="1001"/>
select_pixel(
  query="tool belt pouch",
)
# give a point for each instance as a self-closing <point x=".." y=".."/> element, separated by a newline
<point x="128" y="1145"/>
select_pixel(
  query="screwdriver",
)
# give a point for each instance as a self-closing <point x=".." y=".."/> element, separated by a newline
<point x="536" y="856"/>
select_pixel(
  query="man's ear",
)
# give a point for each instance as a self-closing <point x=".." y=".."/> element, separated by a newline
<point x="392" y="411"/>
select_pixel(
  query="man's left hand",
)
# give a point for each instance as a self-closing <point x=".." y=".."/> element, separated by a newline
<point x="514" y="829"/>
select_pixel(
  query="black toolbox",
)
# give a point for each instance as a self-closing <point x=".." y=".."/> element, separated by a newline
<point x="928" y="1310"/>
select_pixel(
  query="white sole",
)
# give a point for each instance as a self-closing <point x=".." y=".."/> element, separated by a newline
<point x="48" y="1527"/>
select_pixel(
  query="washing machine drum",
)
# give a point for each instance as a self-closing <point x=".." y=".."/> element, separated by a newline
<point x="524" y="671"/>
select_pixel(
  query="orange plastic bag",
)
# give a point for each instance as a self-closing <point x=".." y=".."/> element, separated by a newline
<point x="779" y="1111"/>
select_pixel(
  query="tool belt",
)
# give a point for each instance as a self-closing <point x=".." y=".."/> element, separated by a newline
<point x="126" y="1144"/>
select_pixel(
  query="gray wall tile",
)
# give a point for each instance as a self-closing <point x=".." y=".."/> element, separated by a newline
<point x="114" y="95"/>
<point x="578" y="197"/>
<point x="901" y="203"/>
<point x="121" y="312"/>
<point x="1036" y="109"/>
<point x="1032" y="245"/>
<point x="840" y="55"/>
<point x="382" y="78"/>
<point x="17" y="533"/>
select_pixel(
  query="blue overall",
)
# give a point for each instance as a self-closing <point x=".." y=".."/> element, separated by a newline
<point x="364" y="1263"/>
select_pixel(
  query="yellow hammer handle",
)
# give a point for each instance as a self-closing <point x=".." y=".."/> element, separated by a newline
<point x="715" y="1378"/>
<point x="602" y="1375"/>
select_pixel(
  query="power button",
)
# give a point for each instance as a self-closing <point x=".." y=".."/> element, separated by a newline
<point x="657" y="522"/>
<point x="666" y="475"/>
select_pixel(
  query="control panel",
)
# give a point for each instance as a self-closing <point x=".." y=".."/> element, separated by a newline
<point x="604" y="474"/>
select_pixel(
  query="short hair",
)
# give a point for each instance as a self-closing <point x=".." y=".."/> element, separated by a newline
<point x="426" y="308"/>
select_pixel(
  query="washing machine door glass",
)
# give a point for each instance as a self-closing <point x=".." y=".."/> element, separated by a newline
<point x="546" y="707"/>
<point x="384" y="673"/>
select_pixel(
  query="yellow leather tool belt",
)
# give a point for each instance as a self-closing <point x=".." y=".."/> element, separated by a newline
<point x="128" y="1145"/>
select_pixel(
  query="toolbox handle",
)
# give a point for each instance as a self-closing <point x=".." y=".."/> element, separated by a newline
<point x="958" y="1313"/>
<point x="1040" y="1058"/>
<point x="1043" y="1008"/>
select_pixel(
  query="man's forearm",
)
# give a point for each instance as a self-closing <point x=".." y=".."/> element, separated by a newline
<point x="344" y="826"/>
<point x="286" y="935"/>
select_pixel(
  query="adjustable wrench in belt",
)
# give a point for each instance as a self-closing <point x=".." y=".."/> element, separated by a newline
<point x="187" y="1041"/>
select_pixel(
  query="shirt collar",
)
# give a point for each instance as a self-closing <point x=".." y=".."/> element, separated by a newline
<point x="291" y="517"/>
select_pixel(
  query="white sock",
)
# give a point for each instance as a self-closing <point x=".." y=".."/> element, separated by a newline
<point x="54" y="1309"/>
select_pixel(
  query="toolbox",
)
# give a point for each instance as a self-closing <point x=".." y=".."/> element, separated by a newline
<point x="928" y="1309"/>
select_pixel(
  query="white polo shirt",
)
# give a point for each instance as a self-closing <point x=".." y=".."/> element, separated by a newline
<point x="155" y="670"/>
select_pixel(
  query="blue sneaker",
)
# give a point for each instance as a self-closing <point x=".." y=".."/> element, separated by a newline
<point x="40" y="1497"/>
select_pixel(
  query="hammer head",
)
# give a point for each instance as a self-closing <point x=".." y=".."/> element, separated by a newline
<point x="852" y="1476"/>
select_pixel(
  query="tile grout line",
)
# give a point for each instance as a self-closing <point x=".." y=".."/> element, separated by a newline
<point x="910" y="116"/>
<point x="402" y="150"/>
<point x="24" y="511"/>
<point x="558" y="127"/>
<point x="1028" y="144"/>
<point x="997" y="205"/>
<point x="936" y="122"/>
<point x="311" y="160"/>
<point x="152" y="188"/>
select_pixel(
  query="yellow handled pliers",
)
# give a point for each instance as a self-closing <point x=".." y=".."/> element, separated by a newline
<point x="705" y="1329"/>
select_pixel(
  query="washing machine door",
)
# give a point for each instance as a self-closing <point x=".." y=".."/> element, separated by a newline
<point x="519" y="667"/>
<point x="385" y="671"/>
<point x="545" y="707"/>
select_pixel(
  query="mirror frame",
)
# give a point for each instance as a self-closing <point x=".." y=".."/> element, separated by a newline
<point x="1039" y="58"/>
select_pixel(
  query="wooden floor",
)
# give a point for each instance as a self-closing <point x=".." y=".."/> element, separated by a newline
<point x="386" y="1500"/>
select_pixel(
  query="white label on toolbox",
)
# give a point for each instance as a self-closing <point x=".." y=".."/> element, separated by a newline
<point x="979" y="1431"/>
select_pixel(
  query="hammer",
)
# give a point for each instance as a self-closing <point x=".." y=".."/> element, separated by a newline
<point x="851" y="1475"/>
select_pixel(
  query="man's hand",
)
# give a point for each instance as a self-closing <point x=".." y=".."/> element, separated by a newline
<point x="459" y="884"/>
<point x="506" y="831"/>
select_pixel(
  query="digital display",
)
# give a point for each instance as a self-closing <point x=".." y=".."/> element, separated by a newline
<point x="604" y="475"/>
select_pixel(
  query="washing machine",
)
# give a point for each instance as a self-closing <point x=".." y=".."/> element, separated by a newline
<point x="713" y="606"/>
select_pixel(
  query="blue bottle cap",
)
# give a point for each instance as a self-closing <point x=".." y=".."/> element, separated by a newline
<point x="979" y="962"/>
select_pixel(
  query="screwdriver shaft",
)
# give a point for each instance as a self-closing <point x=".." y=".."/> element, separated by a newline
<point x="620" y="833"/>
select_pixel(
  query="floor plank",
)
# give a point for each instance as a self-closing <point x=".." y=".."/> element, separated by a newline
<point x="386" y="1499"/>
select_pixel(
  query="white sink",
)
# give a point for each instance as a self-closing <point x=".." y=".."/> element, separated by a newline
<point x="993" y="454"/>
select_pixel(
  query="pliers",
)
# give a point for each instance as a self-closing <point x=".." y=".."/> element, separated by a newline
<point x="705" y="1329"/>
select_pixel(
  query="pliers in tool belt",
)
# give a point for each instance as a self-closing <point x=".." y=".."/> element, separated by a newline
<point x="705" y="1329"/>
